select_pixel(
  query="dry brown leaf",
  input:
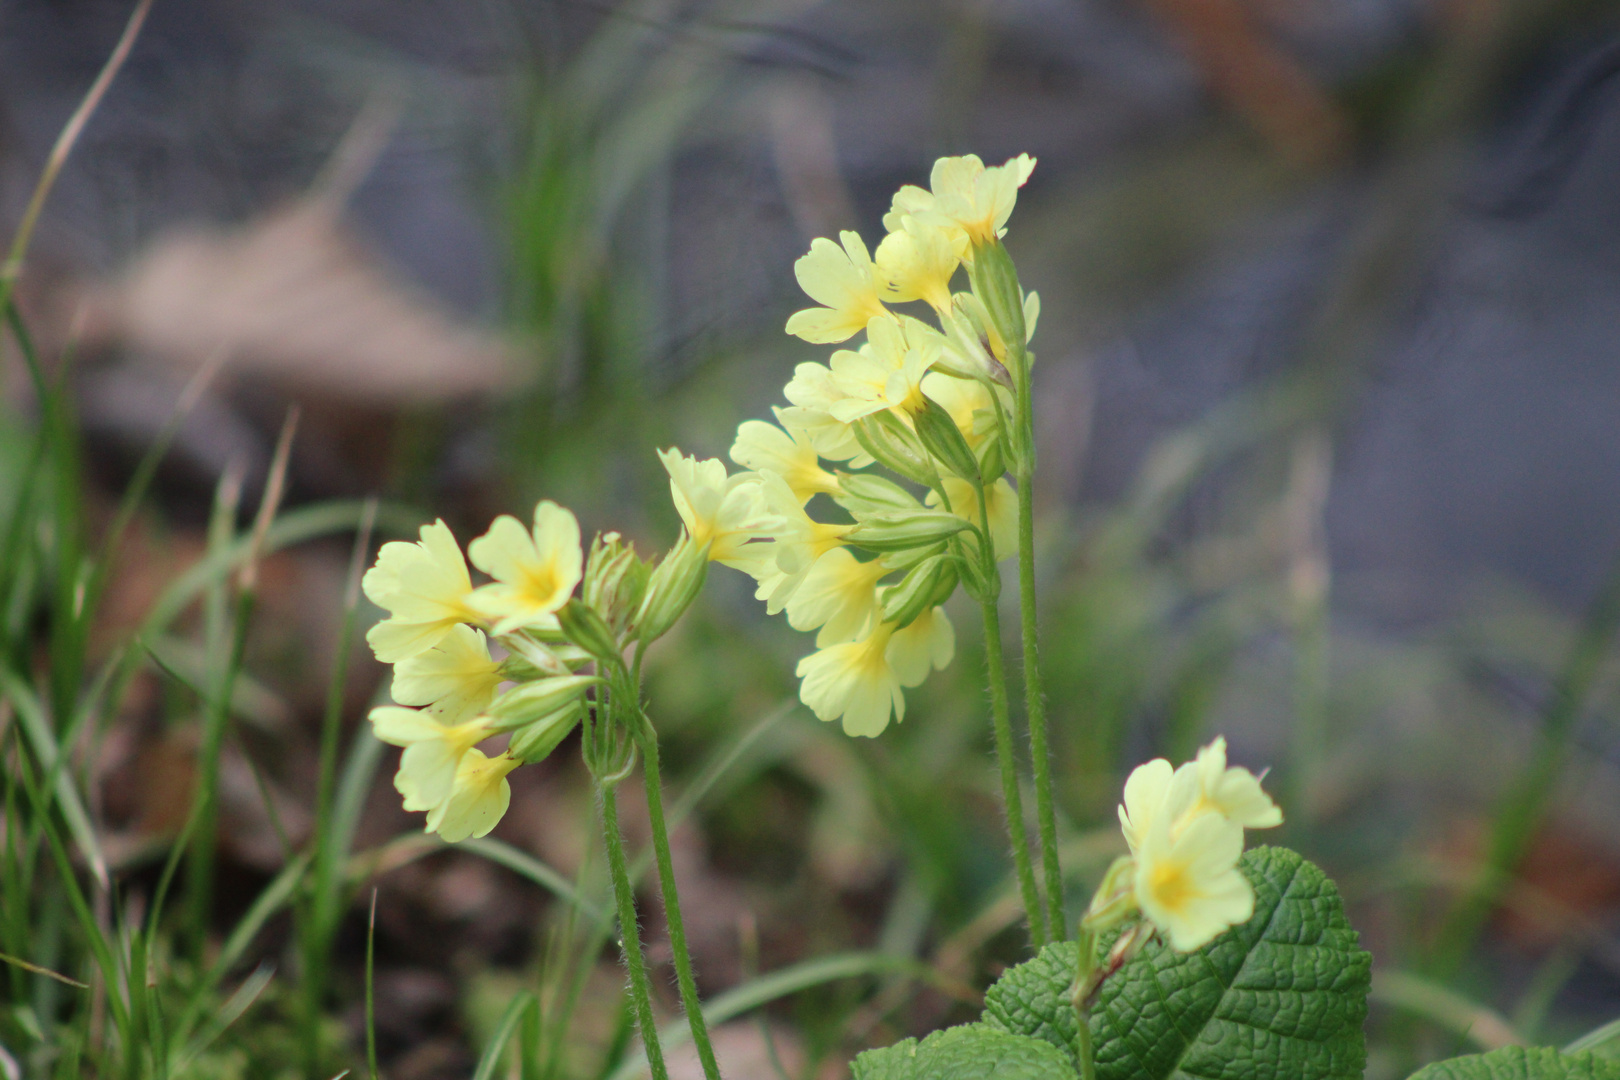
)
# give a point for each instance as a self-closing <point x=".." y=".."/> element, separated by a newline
<point x="297" y="301"/>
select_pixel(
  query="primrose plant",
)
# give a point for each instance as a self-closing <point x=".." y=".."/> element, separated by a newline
<point x="1193" y="959"/>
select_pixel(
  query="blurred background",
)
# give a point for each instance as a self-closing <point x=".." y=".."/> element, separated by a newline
<point x="1327" y="415"/>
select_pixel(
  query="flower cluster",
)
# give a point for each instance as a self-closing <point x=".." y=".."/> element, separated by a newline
<point x="1185" y="828"/>
<point x="454" y="692"/>
<point x="927" y="401"/>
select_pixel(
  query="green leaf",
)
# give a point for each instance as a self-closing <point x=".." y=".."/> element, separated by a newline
<point x="1282" y="996"/>
<point x="969" y="1052"/>
<point x="1522" y="1063"/>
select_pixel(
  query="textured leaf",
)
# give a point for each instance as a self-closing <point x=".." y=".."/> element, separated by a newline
<point x="1281" y="997"/>
<point x="969" y="1052"/>
<point x="1522" y="1063"/>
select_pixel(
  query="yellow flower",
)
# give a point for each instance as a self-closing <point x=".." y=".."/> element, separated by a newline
<point x="839" y="595"/>
<point x="478" y="800"/>
<point x="965" y="195"/>
<point x="798" y="543"/>
<point x="535" y="573"/>
<point x="813" y="392"/>
<point x="886" y="373"/>
<point x="424" y="588"/>
<point x="454" y="680"/>
<point x="433" y="751"/>
<point x="1188" y="884"/>
<point x="928" y="644"/>
<point x="1201" y="786"/>
<point x="1003" y="507"/>
<point x="789" y="453"/>
<point x="854" y="680"/>
<point x="844" y="280"/>
<point x="917" y="262"/>
<point x="724" y="512"/>
<point x="1234" y="793"/>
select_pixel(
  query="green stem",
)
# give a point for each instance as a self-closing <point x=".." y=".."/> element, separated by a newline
<point x="1080" y="993"/>
<point x="1011" y="797"/>
<point x="630" y="934"/>
<point x="1034" y="685"/>
<point x="672" y="901"/>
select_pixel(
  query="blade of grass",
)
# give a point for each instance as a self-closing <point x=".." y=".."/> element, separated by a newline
<point x="19" y="962"/>
<point x="30" y="713"/>
<point x="1480" y="1024"/>
<point x="229" y="1013"/>
<point x="527" y="866"/>
<point x="1596" y="1039"/>
<point x="371" y="997"/>
<point x="491" y="1058"/>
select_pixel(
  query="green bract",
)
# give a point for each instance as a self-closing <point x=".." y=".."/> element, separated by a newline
<point x="1283" y="995"/>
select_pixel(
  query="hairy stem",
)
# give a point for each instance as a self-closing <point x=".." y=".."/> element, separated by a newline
<point x="1034" y="685"/>
<point x="672" y="902"/>
<point x="1011" y="797"/>
<point x="630" y="934"/>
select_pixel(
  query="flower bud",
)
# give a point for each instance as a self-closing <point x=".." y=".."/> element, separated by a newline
<point x="920" y="590"/>
<point x="901" y="530"/>
<point x="586" y="628"/>
<point x="983" y="587"/>
<point x="615" y="580"/>
<point x="525" y="704"/>
<point x="536" y="741"/>
<point x="967" y="350"/>
<point x="866" y="493"/>
<point x="894" y="446"/>
<point x="674" y="584"/>
<point x="943" y="439"/>
<point x="995" y="283"/>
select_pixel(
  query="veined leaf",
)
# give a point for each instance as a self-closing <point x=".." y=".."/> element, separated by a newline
<point x="969" y="1052"/>
<point x="1282" y="996"/>
<point x="1522" y="1063"/>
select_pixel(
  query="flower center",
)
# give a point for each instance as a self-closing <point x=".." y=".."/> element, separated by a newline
<point x="1170" y="884"/>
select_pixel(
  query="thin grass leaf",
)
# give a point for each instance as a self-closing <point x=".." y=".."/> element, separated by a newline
<point x="17" y="961"/>
<point x="230" y="1012"/>
<point x="371" y="998"/>
<point x="30" y="714"/>
<point x="491" y="1058"/>
<point x="1451" y="1011"/>
<point x="1599" y="1039"/>
<point x="527" y="866"/>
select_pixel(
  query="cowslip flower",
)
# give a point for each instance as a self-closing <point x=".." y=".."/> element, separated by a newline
<point x="885" y="373"/>
<point x="838" y="595"/>
<point x="725" y="512"/>
<point x="1187" y="881"/>
<point x="433" y="751"/>
<point x="453" y="680"/>
<point x="1154" y="790"/>
<point x="797" y="544"/>
<point x="535" y="572"/>
<point x="854" y="681"/>
<point x="845" y="282"/>
<point x="787" y="451"/>
<point x="928" y="644"/>
<point x="964" y="195"/>
<point x="917" y="262"/>
<point x="424" y="587"/>
<point x="478" y="799"/>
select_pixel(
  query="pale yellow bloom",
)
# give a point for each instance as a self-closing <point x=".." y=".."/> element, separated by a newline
<point x="842" y="279"/>
<point x="968" y="196"/>
<point x="433" y="751"/>
<point x="798" y="543"/>
<point x="855" y="681"/>
<point x="1235" y="792"/>
<point x="1188" y="884"/>
<point x="928" y="644"/>
<point x="839" y="595"/>
<point x="886" y="373"/>
<point x="724" y="512"/>
<point x="1201" y="786"/>
<point x="424" y="587"/>
<point x="789" y="453"/>
<point x="478" y="800"/>
<point x="1003" y="509"/>
<point x="535" y="572"/>
<point x="454" y="680"/>
<point x="917" y="262"/>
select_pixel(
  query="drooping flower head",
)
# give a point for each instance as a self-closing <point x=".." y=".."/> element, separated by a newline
<point x="478" y="799"/>
<point x="535" y="571"/>
<point x="453" y="680"/>
<point x="854" y="681"/>
<point x="966" y="196"/>
<point x="433" y="751"/>
<point x="786" y="451"/>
